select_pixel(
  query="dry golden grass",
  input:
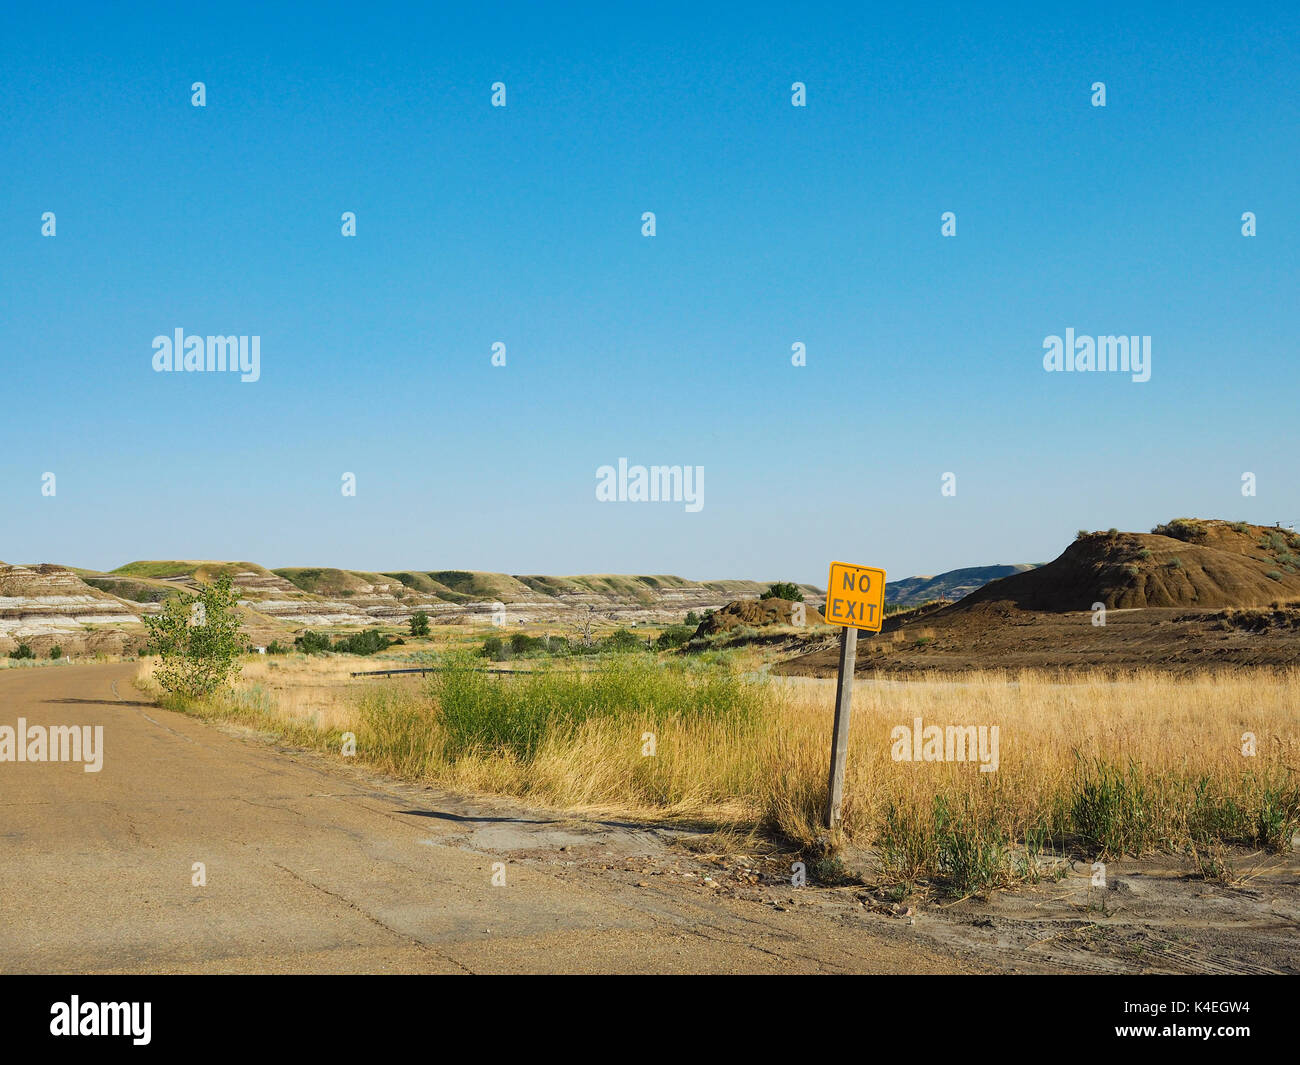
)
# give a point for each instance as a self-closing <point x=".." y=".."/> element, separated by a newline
<point x="1096" y="763"/>
<point x="1052" y="731"/>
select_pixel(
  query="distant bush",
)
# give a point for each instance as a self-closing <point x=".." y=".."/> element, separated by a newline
<point x="674" y="636"/>
<point x="363" y="643"/>
<point x="1175" y="563"/>
<point x="1145" y="553"/>
<point x="1112" y="532"/>
<point x="312" y="643"/>
<point x="692" y="619"/>
<point x="136" y="591"/>
<point x="56" y="652"/>
<point x="275" y="647"/>
<point x="419" y="623"/>
<point x="1189" y="530"/>
<point x="23" y="651"/>
<point x="621" y="640"/>
<point x="1273" y="575"/>
<point x="783" y="590"/>
<point x="521" y="644"/>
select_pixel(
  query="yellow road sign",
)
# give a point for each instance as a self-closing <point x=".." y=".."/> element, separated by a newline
<point x="855" y="596"/>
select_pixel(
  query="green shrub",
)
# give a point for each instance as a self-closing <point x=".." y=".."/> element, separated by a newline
<point x="674" y="636"/>
<point x="783" y="590"/>
<point x="56" y="652"/>
<point x="363" y="643"/>
<point x="622" y="641"/>
<point x="23" y="651"/>
<point x="312" y="643"/>
<point x="199" y="639"/>
<point x="1189" y="530"/>
<point x="419" y="623"/>
<point x="522" y="644"/>
<point x="494" y="648"/>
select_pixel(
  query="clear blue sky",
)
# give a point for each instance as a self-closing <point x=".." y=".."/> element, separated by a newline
<point x="522" y="224"/>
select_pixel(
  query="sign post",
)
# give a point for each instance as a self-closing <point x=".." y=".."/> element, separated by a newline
<point x="855" y="599"/>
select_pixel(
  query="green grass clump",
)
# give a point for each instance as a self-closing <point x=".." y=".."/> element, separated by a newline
<point x="1113" y="811"/>
<point x="484" y="713"/>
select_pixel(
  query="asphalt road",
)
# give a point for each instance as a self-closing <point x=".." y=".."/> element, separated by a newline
<point x="312" y="867"/>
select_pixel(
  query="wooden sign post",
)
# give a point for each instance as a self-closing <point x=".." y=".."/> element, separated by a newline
<point x="855" y="599"/>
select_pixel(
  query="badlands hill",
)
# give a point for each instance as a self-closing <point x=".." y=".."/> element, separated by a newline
<point x="1186" y="563"/>
<point x="1189" y="594"/>
<point x="955" y="584"/>
<point x="85" y="610"/>
<point x="56" y="606"/>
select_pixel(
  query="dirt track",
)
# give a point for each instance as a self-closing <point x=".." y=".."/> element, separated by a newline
<point x="311" y="868"/>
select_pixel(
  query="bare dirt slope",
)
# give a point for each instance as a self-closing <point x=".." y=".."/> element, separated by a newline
<point x="1190" y="564"/>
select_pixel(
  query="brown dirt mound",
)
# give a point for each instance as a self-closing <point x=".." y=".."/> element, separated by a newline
<point x="1206" y="564"/>
<point x="755" y="613"/>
